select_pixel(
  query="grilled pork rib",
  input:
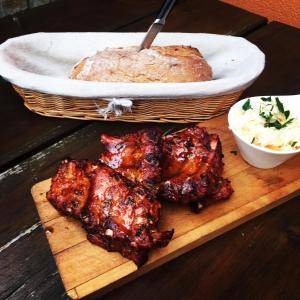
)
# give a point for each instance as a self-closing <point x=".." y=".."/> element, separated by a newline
<point x="118" y="214"/>
<point x="116" y="198"/>
<point x="123" y="216"/>
<point x="137" y="156"/>
<point x="70" y="188"/>
<point x="192" y="168"/>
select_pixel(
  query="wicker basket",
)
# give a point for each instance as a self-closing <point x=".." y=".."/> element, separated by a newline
<point x="176" y="111"/>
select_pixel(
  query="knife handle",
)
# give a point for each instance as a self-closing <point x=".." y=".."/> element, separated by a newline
<point x="164" y="11"/>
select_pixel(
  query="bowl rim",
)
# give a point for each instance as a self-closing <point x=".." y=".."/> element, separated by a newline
<point x="260" y="148"/>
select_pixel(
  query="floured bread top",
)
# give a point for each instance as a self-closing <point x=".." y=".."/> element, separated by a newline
<point x="157" y="64"/>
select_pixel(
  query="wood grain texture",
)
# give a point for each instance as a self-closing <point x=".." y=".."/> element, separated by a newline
<point x="31" y="132"/>
<point x="44" y="281"/>
<point x="20" y="212"/>
<point x="258" y="260"/>
<point x="80" y="16"/>
<point x="196" y="16"/>
<point x="16" y="181"/>
<point x="9" y="27"/>
<point x="25" y="132"/>
<point x="87" y="268"/>
<point x="280" y="43"/>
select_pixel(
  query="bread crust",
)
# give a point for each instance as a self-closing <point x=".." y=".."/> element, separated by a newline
<point x="157" y="64"/>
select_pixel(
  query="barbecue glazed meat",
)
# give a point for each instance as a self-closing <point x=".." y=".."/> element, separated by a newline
<point x="118" y="214"/>
<point x="69" y="188"/>
<point x="136" y="156"/>
<point x="192" y="168"/>
<point x="122" y="216"/>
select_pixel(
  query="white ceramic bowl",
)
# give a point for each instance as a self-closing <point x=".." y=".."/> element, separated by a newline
<point x="261" y="157"/>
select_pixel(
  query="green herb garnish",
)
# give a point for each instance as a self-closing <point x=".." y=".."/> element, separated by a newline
<point x="279" y="105"/>
<point x="269" y="116"/>
<point x="266" y="99"/>
<point x="281" y="108"/>
<point x="246" y="105"/>
<point x="278" y="125"/>
<point x="253" y="140"/>
<point x="266" y="116"/>
<point x="288" y="122"/>
<point x="287" y="114"/>
<point x="294" y="143"/>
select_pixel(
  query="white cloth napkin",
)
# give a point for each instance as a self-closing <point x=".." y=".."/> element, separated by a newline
<point x="43" y="61"/>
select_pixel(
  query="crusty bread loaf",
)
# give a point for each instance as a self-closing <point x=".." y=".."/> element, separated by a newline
<point x="157" y="64"/>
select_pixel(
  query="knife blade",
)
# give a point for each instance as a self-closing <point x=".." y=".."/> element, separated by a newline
<point x="157" y="25"/>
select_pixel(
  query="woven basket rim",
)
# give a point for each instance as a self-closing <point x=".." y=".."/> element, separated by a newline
<point x="154" y="110"/>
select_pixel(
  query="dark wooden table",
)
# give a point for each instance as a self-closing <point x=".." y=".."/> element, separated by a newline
<point x="258" y="260"/>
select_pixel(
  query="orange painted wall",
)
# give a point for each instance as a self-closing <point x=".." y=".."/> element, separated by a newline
<point x="285" y="11"/>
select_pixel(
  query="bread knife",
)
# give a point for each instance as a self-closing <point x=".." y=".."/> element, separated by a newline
<point x="157" y="25"/>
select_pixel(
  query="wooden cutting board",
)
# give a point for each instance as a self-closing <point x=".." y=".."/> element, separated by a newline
<point x="88" y="270"/>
